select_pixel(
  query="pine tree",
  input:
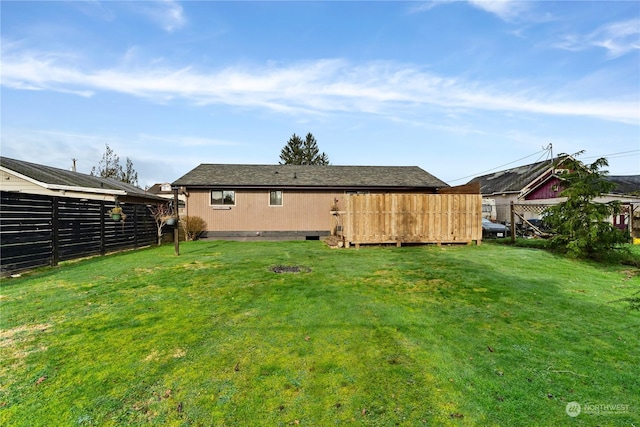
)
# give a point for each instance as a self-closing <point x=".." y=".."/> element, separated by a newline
<point x="291" y="154"/>
<point x="299" y="152"/>
<point x="109" y="167"/>
<point x="129" y="175"/>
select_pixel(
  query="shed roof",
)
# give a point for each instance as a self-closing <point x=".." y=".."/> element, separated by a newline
<point x="309" y="176"/>
<point x="55" y="178"/>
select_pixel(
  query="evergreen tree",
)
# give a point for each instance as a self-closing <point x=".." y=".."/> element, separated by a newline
<point x="130" y="175"/>
<point x="311" y="153"/>
<point x="299" y="152"/>
<point x="581" y="226"/>
<point x="291" y="154"/>
<point x="109" y="167"/>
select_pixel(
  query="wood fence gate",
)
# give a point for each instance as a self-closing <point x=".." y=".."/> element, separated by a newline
<point x="412" y="218"/>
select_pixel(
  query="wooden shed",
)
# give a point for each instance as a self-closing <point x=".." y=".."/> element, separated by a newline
<point x="411" y="218"/>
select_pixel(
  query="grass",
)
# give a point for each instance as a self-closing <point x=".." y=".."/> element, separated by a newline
<point x="487" y="335"/>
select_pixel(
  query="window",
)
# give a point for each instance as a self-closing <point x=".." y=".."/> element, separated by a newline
<point x="223" y="197"/>
<point x="275" y="198"/>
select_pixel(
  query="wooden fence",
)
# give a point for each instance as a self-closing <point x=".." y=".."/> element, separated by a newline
<point x="412" y="218"/>
<point x="37" y="230"/>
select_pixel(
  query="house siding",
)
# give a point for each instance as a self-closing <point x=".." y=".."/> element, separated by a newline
<point x="546" y="191"/>
<point x="300" y="211"/>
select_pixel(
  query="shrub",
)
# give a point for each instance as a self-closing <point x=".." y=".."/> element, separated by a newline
<point x="193" y="227"/>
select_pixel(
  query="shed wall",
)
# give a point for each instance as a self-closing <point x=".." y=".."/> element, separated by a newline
<point x="413" y="218"/>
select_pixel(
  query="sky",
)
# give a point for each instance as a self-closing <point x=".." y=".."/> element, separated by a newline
<point x="459" y="88"/>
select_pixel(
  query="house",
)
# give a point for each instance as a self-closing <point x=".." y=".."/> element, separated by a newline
<point x="538" y="185"/>
<point x="287" y="201"/>
<point x="166" y="191"/>
<point x="19" y="176"/>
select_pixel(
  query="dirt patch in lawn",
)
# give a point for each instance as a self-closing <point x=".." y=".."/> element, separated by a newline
<point x="290" y="269"/>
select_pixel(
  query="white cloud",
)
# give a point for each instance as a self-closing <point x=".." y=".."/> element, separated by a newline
<point x="312" y="87"/>
<point x="507" y="10"/>
<point x="96" y="9"/>
<point x="618" y="38"/>
<point x="428" y="5"/>
<point x="168" y="14"/>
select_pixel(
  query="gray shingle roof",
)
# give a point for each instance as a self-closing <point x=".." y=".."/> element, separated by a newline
<point x="61" y="177"/>
<point x="514" y="179"/>
<point x="625" y="184"/>
<point x="309" y="176"/>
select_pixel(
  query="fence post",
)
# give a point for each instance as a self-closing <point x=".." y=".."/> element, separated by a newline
<point x="102" y="228"/>
<point x="55" y="246"/>
<point x="176" y="233"/>
<point x="135" y="226"/>
<point x="513" y="224"/>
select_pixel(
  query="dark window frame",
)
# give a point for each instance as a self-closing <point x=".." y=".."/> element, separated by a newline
<point x="224" y="194"/>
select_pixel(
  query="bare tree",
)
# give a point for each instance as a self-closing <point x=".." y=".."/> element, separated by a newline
<point x="161" y="213"/>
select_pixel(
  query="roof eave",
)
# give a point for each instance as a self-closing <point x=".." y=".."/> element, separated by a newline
<point x="59" y="187"/>
<point x="307" y="187"/>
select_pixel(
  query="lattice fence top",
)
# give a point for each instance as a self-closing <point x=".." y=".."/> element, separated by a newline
<point x="530" y="208"/>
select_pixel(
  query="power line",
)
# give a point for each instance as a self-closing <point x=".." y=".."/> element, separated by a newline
<point x="620" y="154"/>
<point x="501" y="166"/>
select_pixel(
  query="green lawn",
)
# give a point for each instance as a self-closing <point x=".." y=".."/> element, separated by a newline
<point x="464" y="335"/>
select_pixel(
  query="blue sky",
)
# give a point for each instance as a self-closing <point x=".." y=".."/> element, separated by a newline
<point x="458" y="88"/>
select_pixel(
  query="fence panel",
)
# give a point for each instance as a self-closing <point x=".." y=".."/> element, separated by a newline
<point x="412" y="218"/>
<point x="26" y="231"/>
<point x="37" y="230"/>
<point x="79" y="224"/>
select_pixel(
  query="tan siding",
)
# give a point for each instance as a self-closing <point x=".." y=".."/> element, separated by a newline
<point x="10" y="182"/>
<point x="299" y="211"/>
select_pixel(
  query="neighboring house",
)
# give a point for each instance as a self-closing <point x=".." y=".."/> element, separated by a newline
<point x="165" y="190"/>
<point x="288" y="201"/>
<point x="31" y="178"/>
<point x="538" y="183"/>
